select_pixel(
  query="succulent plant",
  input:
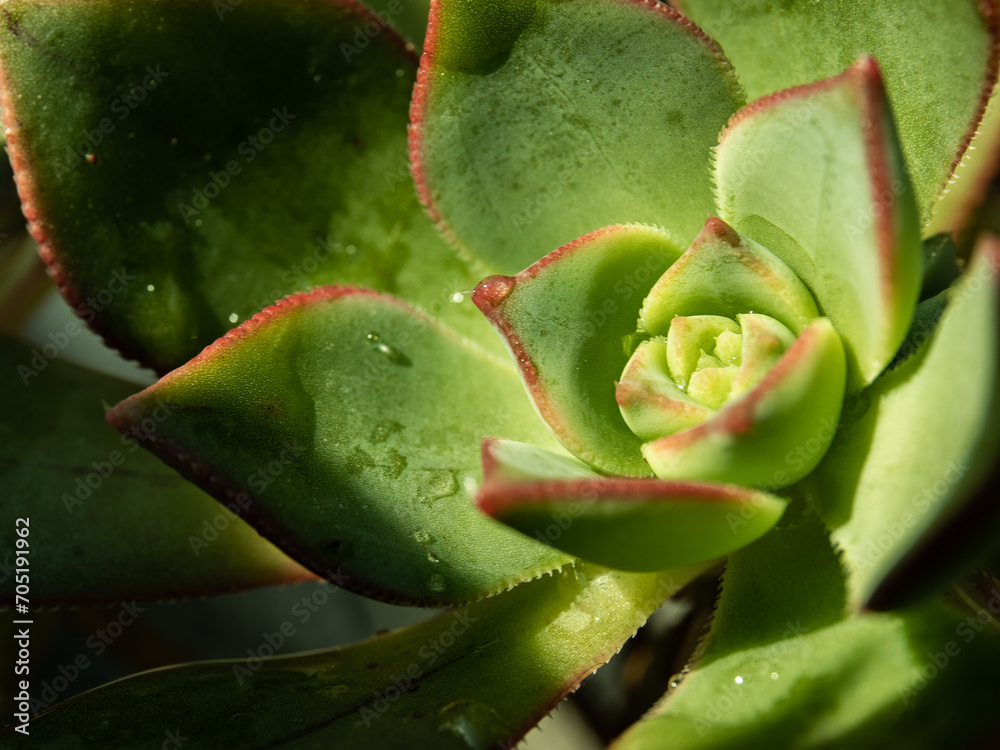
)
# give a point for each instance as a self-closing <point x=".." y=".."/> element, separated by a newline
<point x="733" y="328"/>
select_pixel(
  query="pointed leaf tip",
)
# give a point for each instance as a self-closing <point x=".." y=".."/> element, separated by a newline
<point x="788" y="176"/>
<point x="312" y="417"/>
<point x="624" y="523"/>
<point x="489" y="293"/>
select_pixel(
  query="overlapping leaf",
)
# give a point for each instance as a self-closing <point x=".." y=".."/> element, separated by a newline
<point x="626" y="523"/>
<point x="566" y="320"/>
<point x="353" y="426"/>
<point x="537" y="121"/>
<point x="783" y="666"/>
<point x="816" y="176"/>
<point x="180" y="178"/>
<point x="930" y="425"/>
<point x="432" y="685"/>
<point x="939" y="59"/>
<point x="105" y="520"/>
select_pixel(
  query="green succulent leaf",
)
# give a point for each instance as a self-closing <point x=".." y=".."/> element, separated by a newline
<point x="725" y="274"/>
<point x="930" y="425"/>
<point x="149" y="141"/>
<point x="784" y="667"/>
<point x="349" y="426"/>
<point x="816" y="176"/>
<point x="939" y="59"/>
<point x="566" y="320"/>
<point x="629" y="524"/>
<point x="537" y="121"/>
<point x="774" y="434"/>
<point x="106" y="521"/>
<point x="431" y="685"/>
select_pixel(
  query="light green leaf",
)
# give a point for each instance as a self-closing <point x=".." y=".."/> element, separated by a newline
<point x="898" y="486"/>
<point x="815" y="175"/>
<point x="725" y="274"/>
<point x="939" y="60"/>
<point x="434" y="685"/>
<point x="629" y="524"/>
<point x="773" y="435"/>
<point x="538" y="121"/>
<point x="565" y="319"/>
<point x="180" y="179"/>
<point x="784" y="667"/>
<point x="105" y="521"/>
<point x="353" y="426"/>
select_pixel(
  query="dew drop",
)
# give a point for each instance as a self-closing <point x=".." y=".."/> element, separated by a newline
<point x="150" y="288"/>
<point x="457" y="297"/>
<point x="432" y="558"/>
<point x="774" y="675"/>
<point x="438" y="484"/>
<point x="436" y="583"/>
<point x="233" y="317"/>
<point x="399" y="72"/>
<point x="394" y="354"/>
<point x="471" y="722"/>
<point x="738" y="680"/>
<point x="350" y="249"/>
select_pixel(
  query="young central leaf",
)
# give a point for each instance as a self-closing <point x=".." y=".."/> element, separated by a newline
<point x="704" y="360"/>
<point x="721" y="392"/>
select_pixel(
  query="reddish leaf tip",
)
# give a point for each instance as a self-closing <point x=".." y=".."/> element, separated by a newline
<point x="491" y="292"/>
<point x="716" y="228"/>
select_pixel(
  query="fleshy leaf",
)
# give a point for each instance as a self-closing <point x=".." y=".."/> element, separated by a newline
<point x="537" y="121"/>
<point x="816" y="176"/>
<point x="148" y="141"/>
<point x="940" y="62"/>
<point x="630" y="524"/>
<point x="433" y="685"/>
<point x="971" y="182"/>
<point x="897" y="487"/>
<point x="773" y="435"/>
<point x="564" y="320"/>
<point x="107" y="522"/>
<point x="783" y="666"/>
<point x="725" y="274"/>
<point x="352" y="424"/>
